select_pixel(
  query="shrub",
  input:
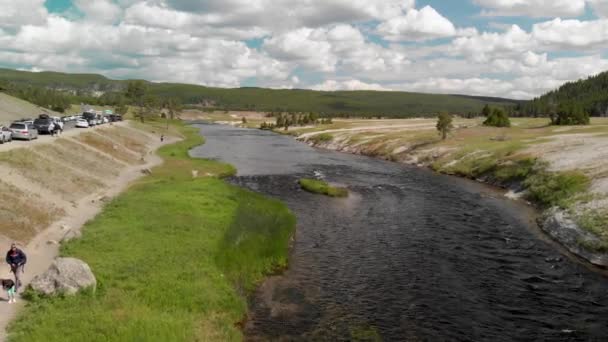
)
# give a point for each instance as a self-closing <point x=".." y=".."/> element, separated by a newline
<point x="554" y="189"/>
<point x="444" y="124"/>
<point x="322" y="138"/>
<point x="571" y="115"/>
<point x="516" y="170"/>
<point x="498" y="118"/>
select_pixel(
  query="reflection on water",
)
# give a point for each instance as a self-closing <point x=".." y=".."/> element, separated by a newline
<point x="409" y="256"/>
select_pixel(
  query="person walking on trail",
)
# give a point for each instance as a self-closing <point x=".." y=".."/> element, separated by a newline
<point x="16" y="260"/>
<point x="9" y="286"/>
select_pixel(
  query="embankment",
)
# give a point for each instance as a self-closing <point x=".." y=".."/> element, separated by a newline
<point x="52" y="186"/>
<point x="562" y="170"/>
<point x="174" y="255"/>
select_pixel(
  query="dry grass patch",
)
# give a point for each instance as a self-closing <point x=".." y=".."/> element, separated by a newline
<point x="102" y="162"/>
<point x="23" y="215"/>
<point x="79" y="163"/>
<point x="129" y="138"/>
<point x="49" y="174"/>
<point x="106" y="145"/>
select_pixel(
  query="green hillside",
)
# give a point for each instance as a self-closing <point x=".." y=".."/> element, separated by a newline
<point x="356" y="103"/>
<point x="590" y="94"/>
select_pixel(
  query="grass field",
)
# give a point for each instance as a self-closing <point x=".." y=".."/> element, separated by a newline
<point x="174" y="256"/>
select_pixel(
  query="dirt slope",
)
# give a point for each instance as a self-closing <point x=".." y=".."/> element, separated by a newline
<point x="12" y="108"/>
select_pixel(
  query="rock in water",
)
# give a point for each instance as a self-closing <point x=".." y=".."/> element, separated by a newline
<point x="65" y="275"/>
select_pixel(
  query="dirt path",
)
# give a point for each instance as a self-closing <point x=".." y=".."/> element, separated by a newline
<point x="45" y="246"/>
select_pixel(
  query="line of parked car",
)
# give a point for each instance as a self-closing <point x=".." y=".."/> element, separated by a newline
<point x="30" y="129"/>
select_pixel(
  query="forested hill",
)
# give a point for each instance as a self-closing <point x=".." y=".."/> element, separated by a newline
<point x="590" y="95"/>
<point x="91" y="88"/>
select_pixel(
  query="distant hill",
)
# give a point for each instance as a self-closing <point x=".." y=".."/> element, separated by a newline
<point x="591" y="94"/>
<point x="12" y="108"/>
<point x="355" y="103"/>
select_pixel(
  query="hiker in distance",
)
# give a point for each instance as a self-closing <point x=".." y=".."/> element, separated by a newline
<point x="16" y="259"/>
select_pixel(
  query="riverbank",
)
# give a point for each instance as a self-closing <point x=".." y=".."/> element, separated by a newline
<point x="52" y="187"/>
<point x="174" y="257"/>
<point x="564" y="169"/>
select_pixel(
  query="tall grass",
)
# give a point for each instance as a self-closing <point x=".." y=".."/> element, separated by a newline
<point x="167" y="255"/>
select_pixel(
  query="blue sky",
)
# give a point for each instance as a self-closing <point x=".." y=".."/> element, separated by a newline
<point x="478" y="47"/>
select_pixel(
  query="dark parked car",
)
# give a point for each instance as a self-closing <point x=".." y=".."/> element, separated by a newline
<point x="115" y="117"/>
<point x="44" y="125"/>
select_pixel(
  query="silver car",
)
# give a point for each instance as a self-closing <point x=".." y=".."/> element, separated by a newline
<point x="6" y="134"/>
<point x="22" y="130"/>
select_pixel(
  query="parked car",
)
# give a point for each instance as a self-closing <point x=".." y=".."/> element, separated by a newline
<point x="22" y="130"/>
<point x="44" y="125"/>
<point x="90" y="117"/>
<point x="82" y="123"/>
<point x="6" y="134"/>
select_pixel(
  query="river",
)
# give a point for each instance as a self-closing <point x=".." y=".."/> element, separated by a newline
<point x="409" y="256"/>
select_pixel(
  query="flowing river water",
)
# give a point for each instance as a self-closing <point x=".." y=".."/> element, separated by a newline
<point x="409" y="256"/>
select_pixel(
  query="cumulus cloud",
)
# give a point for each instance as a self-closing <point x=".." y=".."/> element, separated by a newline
<point x="23" y="12"/>
<point x="326" y="49"/>
<point x="317" y="44"/>
<point x="572" y="33"/>
<point x="600" y="7"/>
<point x="532" y="8"/>
<point x="103" y="11"/>
<point x="417" y="25"/>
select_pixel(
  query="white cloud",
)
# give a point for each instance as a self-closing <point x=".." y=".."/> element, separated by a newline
<point x="485" y="46"/>
<point x="328" y="44"/>
<point x="600" y="7"/>
<point x="417" y="25"/>
<point x="326" y="49"/>
<point x="573" y="33"/>
<point x="103" y="11"/>
<point x="22" y="12"/>
<point x="332" y="85"/>
<point x="532" y="8"/>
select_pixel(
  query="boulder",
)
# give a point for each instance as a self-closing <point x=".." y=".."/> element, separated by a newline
<point x="65" y="275"/>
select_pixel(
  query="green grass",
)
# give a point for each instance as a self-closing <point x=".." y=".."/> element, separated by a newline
<point x="516" y="170"/>
<point x="321" y="187"/>
<point x="556" y="188"/>
<point x="173" y="257"/>
<point x="321" y="138"/>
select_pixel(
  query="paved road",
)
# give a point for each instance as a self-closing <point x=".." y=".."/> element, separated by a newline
<point x="69" y="131"/>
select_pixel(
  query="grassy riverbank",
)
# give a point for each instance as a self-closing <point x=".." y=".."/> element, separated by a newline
<point x="564" y="166"/>
<point x="174" y="257"/>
